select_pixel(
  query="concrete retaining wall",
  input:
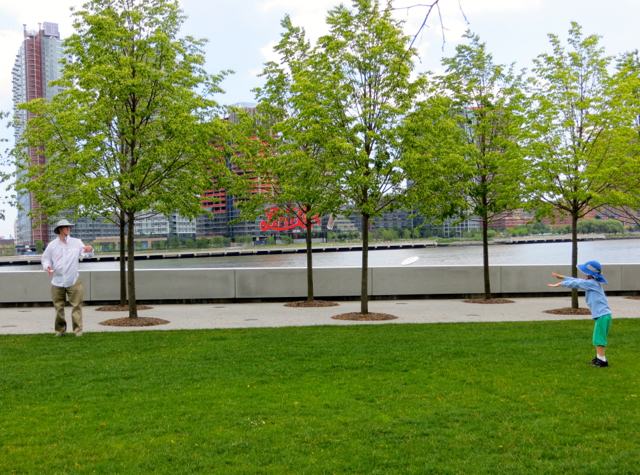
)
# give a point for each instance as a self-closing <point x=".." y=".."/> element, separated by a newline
<point x="33" y="287"/>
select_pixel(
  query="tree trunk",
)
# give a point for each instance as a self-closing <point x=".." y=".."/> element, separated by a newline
<point x="133" y="309"/>
<point x="485" y="258"/>
<point x="309" y="259"/>
<point x="123" y="265"/>
<point x="364" y="294"/>
<point x="574" y="256"/>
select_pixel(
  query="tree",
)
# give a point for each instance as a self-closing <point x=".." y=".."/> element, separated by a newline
<point x="487" y="102"/>
<point x="292" y="152"/>
<point x="134" y="129"/>
<point x="244" y="239"/>
<point x="202" y="243"/>
<point x="7" y="250"/>
<point x="628" y="66"/>
<point x="539" y="228"/>
<point x="158" y="245"/>
<point x="3" y="162"/>
<point x="362" y="72"/>
<point x="584" y="125"/>
<point x="594" y="226"/>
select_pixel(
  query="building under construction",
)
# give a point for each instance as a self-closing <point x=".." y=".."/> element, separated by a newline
<point x="37" y="64"/>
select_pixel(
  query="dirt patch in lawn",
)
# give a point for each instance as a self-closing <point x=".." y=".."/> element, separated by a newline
<point x="488" y="301"/>
<point x="633" y="297"/>
<point x="312" y="303"/>
<point x="569" y="311"/>
<point x="134" y="322"/>
<point x="364" y="317"/>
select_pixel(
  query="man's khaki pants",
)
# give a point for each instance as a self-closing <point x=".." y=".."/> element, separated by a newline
<point x="58" y="294"/>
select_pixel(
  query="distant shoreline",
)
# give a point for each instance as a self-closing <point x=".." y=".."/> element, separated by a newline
<point x="14" y="261"/>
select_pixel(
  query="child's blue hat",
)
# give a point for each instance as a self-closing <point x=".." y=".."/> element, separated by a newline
<point x="593" y="268"/>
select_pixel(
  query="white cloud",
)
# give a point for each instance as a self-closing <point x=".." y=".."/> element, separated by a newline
<point x="37" y="11"/>
<point x="268" y="52"/>
<point x="499" y="6"/>
<point x="309" y="14"/>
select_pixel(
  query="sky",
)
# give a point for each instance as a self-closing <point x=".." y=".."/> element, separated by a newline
<point x="241" y="35"/>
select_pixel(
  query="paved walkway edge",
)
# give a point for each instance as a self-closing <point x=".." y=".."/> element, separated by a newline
<point x="33" y="320"/>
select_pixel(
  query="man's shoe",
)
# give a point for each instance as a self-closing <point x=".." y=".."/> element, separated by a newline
<point x="593" y="361"/>
<point x="601" y="364"/>
<point x="60" y="333"/>
<point x="79" y="334"/>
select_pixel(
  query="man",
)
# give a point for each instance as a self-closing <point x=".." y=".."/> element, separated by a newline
<point x="60" y="259"/>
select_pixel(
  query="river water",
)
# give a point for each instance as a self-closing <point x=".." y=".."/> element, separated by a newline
<point x="606" y="252"/>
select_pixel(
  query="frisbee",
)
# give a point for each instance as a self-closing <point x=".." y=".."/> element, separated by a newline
<point x="409" y="260"/>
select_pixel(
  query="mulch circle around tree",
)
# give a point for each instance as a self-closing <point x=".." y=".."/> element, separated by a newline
<point x="360" y="317"/>
<point x="130" y="322"/>
<point x="134" y="322"/>
<point x="569" y="311"/>
<point x="488" y="301"/>
<point x="312" y="303"/>
<point x="633" y="297"/>
<point x="121" y="308"/>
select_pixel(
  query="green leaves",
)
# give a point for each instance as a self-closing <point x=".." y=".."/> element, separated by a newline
<point x="584" y="125"/>
<point x="3" y="163"/>
<point x="366" y="65"/>
<point x="488" y="104"/>
<point x="131" y="131"/>
<point x="433" y="158"/>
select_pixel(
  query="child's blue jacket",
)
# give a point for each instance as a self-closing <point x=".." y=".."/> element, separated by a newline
<point x="593" y="294"/>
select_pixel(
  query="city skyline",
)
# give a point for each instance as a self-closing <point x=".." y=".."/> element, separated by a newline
<point x="242" y="37"/>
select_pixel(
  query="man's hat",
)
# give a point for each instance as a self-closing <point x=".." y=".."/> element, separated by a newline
<point x="593" y="268"/>
<point x="60" y="224"/>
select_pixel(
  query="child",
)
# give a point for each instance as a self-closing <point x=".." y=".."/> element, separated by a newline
<point x="597" y="302"/>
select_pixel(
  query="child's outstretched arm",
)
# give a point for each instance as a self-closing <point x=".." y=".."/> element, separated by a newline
<point x="557" y="276"/>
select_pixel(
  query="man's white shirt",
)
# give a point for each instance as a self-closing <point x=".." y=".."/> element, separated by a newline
<point x="63" y="259"/>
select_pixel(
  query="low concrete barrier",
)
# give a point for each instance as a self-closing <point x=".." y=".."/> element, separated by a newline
<point x="242" y="284"/>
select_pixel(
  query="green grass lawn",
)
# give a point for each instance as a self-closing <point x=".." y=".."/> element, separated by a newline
<point x="508" y="398"/>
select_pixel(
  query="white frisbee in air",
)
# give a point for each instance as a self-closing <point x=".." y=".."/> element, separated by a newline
<point x="409" y="260"/>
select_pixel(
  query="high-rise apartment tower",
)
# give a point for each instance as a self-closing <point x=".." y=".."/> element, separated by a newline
<point x="37" y="64"/>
